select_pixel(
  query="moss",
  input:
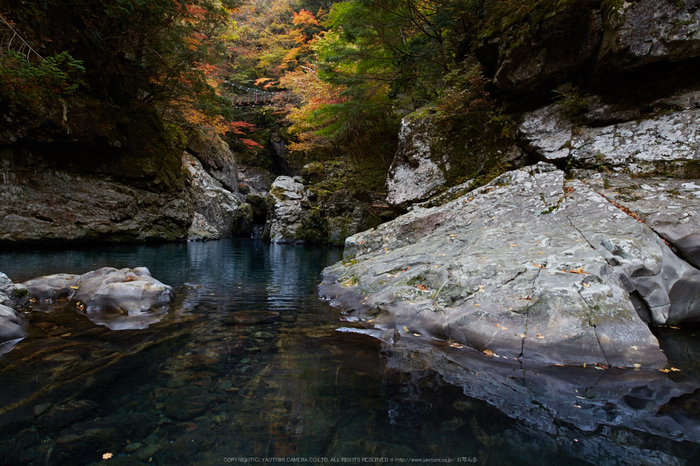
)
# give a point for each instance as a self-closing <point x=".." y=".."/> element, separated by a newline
<point x="21" y="292"/>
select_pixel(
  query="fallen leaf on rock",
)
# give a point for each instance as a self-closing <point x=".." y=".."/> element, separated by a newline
<point x="675" y="370"/>
<point x="477" y="305"/>
<point x="488" y="353"/>
<point x="539" y="266"/>
<point x="586" y="285"/>
<point x="73" y="287"/>
<point x="579" y="271"/>
<point x="456" y="345"/>
<point x="422" y="287"/>
<point x="665" y="370"/>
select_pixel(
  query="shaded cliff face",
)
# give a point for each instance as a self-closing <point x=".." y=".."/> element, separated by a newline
<point x="534" y="47"/>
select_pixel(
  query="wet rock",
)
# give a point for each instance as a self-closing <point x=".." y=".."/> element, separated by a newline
<point x="223" y="210"/>
<point x="132" y="447"/>
<point x="45" y="291"/>
<point x="91" y="436"/>
<point x="186" y="403"/>
<point x="256" y="180"/>
<point x="529" y="266"/>
<point x="55" y="204"/>
<point x="118" y="299"/>
<point x="587" y="398"/>
<point x="66" y="413"/>
<point x="669" y="206"/>
<point x="216" y="158"/>
<point x="122" y="299"/>
<point x="146" y="452"/>
<point x="12" y="328"/>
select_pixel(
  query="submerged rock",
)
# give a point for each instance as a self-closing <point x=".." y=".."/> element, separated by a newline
<point x="12" y="328"/>
<point x="118" y="299"/>
<point x="530" y="266"/>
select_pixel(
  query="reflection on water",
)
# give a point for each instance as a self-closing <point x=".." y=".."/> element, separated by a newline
<point x="248" y="363"/>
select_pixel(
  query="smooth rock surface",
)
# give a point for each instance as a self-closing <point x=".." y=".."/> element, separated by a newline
<point x="671" y="207"/>
<point x="529" y="266"/>
<point x="121" y="299"/>
<point x="12" y="327"/>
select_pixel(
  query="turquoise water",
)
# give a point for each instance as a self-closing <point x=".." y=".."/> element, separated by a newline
<point x="248" y="368"/>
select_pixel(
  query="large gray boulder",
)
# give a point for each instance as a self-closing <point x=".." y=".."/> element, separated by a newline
<point x="220" y="209"/>
<point x="530" y="266"/>
<point x="285" y="222"/>
<point x="120" y="299"/>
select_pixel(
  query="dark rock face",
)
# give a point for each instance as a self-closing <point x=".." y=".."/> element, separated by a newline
<point x="106" y="176"/>
<point x="648" y="31"/>
<point x="216" y="158"/>
<point x="529" y="266"/>
<point x="588" y="43"/>
<point x="295" y="215"/>
<point x="61" y="206"/>
<point x="219" y="212"/>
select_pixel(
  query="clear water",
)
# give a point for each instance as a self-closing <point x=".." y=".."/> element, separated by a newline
<point x="248" y="368"/>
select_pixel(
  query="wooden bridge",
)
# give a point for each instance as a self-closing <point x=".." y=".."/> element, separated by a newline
<point x="250" y="97"/>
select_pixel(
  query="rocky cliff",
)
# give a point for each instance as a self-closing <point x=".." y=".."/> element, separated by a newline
<point x="570" y="259"/>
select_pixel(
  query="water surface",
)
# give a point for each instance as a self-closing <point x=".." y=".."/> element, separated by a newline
<point x="248" y="368"/>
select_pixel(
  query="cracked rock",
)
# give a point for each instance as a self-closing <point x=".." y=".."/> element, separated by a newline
<point x="529" y="266"/>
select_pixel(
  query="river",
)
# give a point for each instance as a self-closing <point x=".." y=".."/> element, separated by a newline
<point x="248" y="367"/>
